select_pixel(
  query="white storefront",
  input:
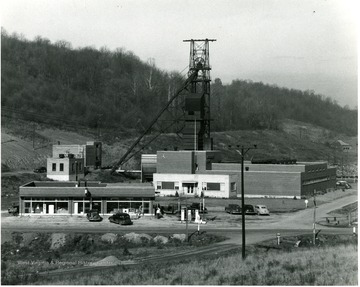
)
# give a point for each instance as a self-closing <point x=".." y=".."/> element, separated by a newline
<point x="212" y="185"/>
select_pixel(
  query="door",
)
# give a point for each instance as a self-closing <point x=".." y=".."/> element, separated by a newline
<point x="51" y="209"/>
<point x="190" y="188"/>
<point x="76" y="207"/>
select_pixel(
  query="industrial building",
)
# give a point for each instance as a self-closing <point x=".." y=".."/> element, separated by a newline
<point x="68" y="162"/>
<point x="76" y="198"/>
<point x="197" y="173"/>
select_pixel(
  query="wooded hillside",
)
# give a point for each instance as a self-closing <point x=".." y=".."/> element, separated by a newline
<point x="85" y="87"/>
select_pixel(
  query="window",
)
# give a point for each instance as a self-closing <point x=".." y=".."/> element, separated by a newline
<point x="54" y="167"/>
<point x="233" y="186"/>
<point x="167" y="185"/>
<point x="61" y="167"/>
<point x="213" y="186"/>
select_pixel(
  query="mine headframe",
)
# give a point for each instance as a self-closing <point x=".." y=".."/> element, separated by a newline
<point x="196" y="133"/>
<point x="196" y="118"/>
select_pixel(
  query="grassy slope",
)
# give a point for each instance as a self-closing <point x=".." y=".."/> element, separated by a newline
<point x="18" y="140"/>
<point x="327" y="265"/>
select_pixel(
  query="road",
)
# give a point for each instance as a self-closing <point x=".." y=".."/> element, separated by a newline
<point x="258" y="229"/>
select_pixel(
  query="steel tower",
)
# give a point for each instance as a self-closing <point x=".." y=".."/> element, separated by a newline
<point x="196" y="133"/>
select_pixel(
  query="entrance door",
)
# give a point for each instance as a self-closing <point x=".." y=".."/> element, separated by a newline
<point x="76" y="207"/>
<point x="190" y="188"/>
<point x="51" y="209"/>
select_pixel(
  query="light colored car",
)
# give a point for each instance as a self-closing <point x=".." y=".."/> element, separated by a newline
<point x="262" y="210"/>
<point x="343" y="184"/>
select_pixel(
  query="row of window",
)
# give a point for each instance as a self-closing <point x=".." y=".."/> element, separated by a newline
<point x="61" y="166"/>
<point x="317" y="180"/>
<point x="211" y="186"/>
<point x="317" y="169"/>
<point x="83" y="206"/>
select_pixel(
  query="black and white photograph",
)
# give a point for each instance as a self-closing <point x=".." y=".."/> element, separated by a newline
<point x="179" y="142"/>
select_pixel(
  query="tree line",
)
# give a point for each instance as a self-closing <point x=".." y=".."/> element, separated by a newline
<point x="254" y="105"/>
<point x="57" y="84"/>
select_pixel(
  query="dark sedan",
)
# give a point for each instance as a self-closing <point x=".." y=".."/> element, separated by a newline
<point x="93" y="215"/>
<point x="121" y="218"/>
<point x="250" y="210"/>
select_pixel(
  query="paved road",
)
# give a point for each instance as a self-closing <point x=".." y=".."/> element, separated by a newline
<point x="258" y="229"/>
<point x="304" y="219"/>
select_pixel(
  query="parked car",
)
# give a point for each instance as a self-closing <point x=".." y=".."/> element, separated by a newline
<point x="250" y="210"/>
<point x="121" y="218"/>
<point x="262" y="210"/>
<point x="40" y="169"/>
<point x="197" y="206"/>
<point x="171" y="209"/>
<point x="233" y="209"/>
<point x="93" y="215"/>
<point x="343" y="184"/>
<point x="14" y="209"/>
<point x="236" y="209"/>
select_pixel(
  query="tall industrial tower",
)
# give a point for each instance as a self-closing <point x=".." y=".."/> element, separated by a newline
<point x="196" y="133"/>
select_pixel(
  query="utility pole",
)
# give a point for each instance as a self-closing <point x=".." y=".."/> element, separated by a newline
<point x="314" y="224"/>
<point x="33" y="136"/>
<point x="243" y="152"/>
<point x="195" y="143"/>
<point x="76" y="170"/>
<point x="186" y="219"/>
<point x="98" y="125"/>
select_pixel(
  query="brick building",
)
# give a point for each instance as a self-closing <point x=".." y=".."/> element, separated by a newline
<point x="68" y="162"/>
<point x="197" y="172"/>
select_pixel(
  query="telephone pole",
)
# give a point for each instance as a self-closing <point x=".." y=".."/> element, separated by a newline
<point x="314" y="223"/>
<point x="242" y="153"/>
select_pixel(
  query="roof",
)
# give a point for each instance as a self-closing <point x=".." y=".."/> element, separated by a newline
<point x="68" y="189"/>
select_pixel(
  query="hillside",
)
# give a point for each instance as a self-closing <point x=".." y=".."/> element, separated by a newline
<point x="311" y="144"/>
<point x="116" y="92"/>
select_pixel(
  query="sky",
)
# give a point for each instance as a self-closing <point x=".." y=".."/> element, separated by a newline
<point x="298" y="44"/>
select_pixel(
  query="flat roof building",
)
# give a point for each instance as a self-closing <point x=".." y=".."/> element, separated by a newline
<point x="69" y="162"/>
<point x="70" y="198"/>
<point x="201" y="172"/>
